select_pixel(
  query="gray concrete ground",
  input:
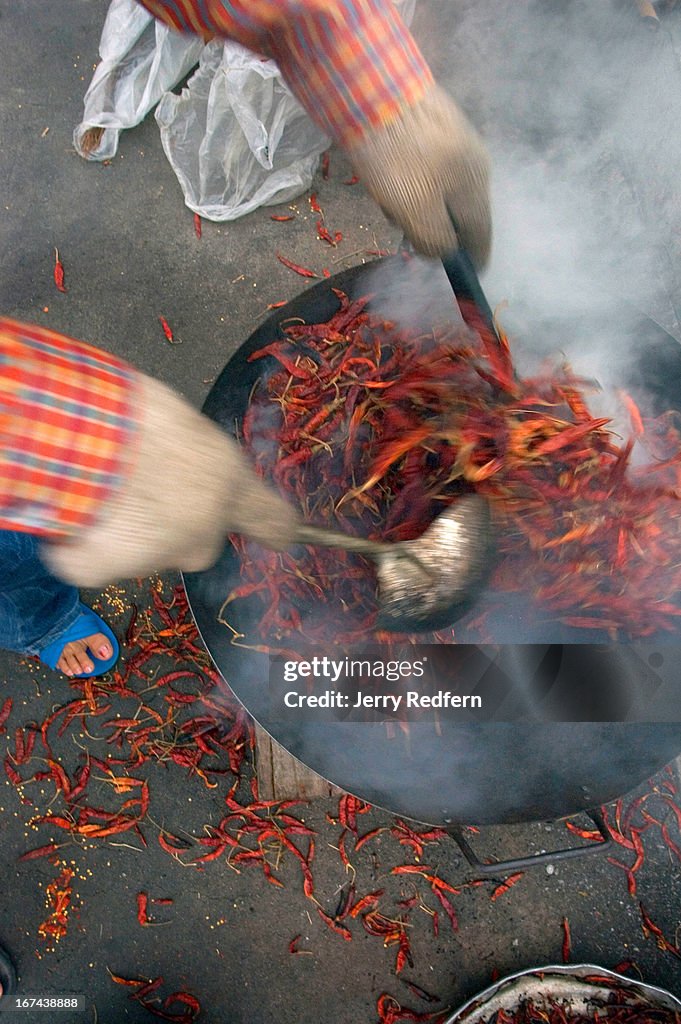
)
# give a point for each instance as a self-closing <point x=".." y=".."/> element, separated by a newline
<point x="130" y="255"/>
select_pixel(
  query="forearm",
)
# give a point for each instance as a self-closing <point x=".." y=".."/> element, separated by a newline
<point x="353" y="64"/>
<point x="67" y="429"/>
<point x="356" y="69"/>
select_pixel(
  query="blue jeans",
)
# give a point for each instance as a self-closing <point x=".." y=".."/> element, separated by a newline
<point x="35" y="608"/>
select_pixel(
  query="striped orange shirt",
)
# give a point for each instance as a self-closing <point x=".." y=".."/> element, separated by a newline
<point x="353" y="64"/>
<point x="66" y="429"/>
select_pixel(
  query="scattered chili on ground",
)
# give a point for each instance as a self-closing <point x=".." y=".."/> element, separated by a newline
<point x="567" y="941"/>
<point x="167" y="330"/>
<point x="59" y="272"/>
<point x="303" y="271"/>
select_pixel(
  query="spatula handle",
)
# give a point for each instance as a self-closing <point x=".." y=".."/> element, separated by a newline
<point x="465" y="285"/>
<point x="320" y="536"/>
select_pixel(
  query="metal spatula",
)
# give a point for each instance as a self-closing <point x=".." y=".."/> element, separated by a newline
<point x="423" y="584"/>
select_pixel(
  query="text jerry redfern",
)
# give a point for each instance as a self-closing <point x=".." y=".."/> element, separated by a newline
<point x="388" y="701"/>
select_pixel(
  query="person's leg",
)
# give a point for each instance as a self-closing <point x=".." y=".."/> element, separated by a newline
<point x="36" y="609"/>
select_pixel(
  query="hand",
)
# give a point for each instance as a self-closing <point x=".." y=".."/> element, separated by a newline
<point x="189" y="487"/>
<point x="426" y="168"/>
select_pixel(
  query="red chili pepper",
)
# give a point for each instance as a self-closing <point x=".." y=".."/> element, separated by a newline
<point x="177" y="846"/>
<point x="634" y="413"/>
<point x="314" y="205"/>
<point x="569" y="435"/>
<point x="403" y="954"/>
<point x="370" y="901"/>
<point x="650" y="928"/>
<point x="197" y="225"/>
<point x="675" y="809"/>
<point x="567" y="941"/>
<point x="59" y="272"/>
<point x="281" y="217"/>
<point x="592" y="834"/>
<point x="130" y="982"/>
<point x="352" y="181"/>
<point x="341" y="848"/>
<point x="142" y="903"/>
<point x="418" y="869"/>
<point x="674" y="847"/>
<point x="325" y="234"/>
<point x="326" y="160"/>
<point x="19" y="755"/>
<point x="334" y="926"/>
<point x="505" y="886"/>
<point x="448" y="907"/>
<point x="123" y="824"/>
<point x="367" y="836"/>
<point x="12" y="773"/>
<point x="41" y="851"/>
<point x="303" y="271"/>
<point x="60" y="777"/>
<point x="631" y="877"/>
<point x="145" y="990"/>
<point x="187" y="1000"/>
<point x="4" y="713"/>
<point x="56" y="819"/>
<point x="167" y="330"/>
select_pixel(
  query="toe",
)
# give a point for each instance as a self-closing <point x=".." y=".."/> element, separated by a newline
<point x="67" y="662"/>
<point x="83" y="658"/>
<point x="99" y="645"/>
<point x="75" y="659"/>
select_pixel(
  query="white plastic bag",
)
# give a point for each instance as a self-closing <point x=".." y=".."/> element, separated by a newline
<point x="141" y="60"/>
<point x="236" y="137"/>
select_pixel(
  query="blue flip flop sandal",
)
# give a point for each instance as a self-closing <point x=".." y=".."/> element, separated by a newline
<point x="87" y="623"/>
<point x="8" y="975"/>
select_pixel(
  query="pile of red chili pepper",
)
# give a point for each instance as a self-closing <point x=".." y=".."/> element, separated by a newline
<point x="374" y="430"/>
<point x="615" y="1011"/>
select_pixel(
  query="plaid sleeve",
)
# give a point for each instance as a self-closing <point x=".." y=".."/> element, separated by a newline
<point x="66" y="427"/>
<point x="353" y="64"/>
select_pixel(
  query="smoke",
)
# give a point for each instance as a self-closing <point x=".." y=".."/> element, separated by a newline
<point x="580" y="104"/>
<point x="578" y="108"/>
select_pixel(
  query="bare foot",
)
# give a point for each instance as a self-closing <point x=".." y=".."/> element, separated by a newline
<point x="75" y="659"/>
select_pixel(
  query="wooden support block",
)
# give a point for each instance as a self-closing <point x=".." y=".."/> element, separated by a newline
<point x="281" y="776"/>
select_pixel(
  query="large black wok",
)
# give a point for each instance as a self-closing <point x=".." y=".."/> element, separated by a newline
<point x="512" y="769"/>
